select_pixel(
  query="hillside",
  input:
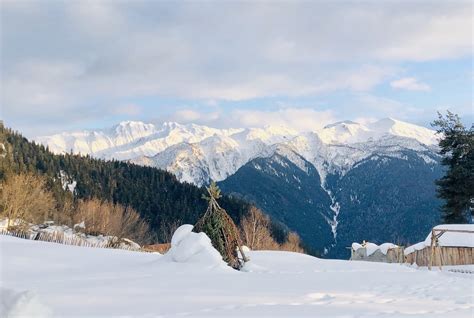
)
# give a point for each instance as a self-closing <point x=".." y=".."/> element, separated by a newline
<point x="156" y="194"/>
<point x="382" y="199"/>
<point x="345" y="182"/>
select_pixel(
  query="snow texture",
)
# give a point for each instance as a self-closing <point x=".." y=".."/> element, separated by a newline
<point x="17" y="304"/>
<point x="181" y="233"/>
<point x="86" y="282"/>
<point x="190" y="247"/>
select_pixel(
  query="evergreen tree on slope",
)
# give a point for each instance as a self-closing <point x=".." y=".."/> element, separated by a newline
<point x="457" y="186"/>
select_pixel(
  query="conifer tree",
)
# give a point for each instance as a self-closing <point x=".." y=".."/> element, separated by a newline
<point x="457" y="186"/>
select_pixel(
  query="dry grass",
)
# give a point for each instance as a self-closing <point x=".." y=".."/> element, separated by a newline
<point x="106" y="218"/>
<point x="293" y="243"/>
<point x="160" y="248"/>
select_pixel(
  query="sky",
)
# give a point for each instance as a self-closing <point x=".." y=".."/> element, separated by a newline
<point x="69" y="65"/>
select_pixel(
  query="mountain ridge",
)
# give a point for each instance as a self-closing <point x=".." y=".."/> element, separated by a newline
<point x="198" y="154"/>
<point x="316" y="182"/>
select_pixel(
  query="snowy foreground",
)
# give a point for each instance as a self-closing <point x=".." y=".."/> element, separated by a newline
<point x="40" y="279"/>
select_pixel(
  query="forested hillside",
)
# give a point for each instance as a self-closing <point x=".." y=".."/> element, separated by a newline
<point x="156" y="194"/>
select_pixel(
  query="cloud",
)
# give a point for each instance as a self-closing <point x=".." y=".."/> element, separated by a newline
<point x="189" y="115"/>
<point x="300" y="119"/>
<point x="62" y="58"/>
<point x="127" y="110"/>
<point x="410" y="83"/>
<point x="297" y="118"/>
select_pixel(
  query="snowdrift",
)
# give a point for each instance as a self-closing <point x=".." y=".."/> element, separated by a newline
<point x="21" y="304"/>
<point x="190" y="247"/>
<point x="90" y="282"/>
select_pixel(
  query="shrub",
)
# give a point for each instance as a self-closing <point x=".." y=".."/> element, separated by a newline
<point x="257" y="235"/>
<point x="25" y="197"/>
<point x="292" y="244"/>
<point x="106" y="218"/>
<point x="255" y="227"/>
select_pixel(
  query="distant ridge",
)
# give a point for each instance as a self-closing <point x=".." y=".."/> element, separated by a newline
<point x="197" y="154"/>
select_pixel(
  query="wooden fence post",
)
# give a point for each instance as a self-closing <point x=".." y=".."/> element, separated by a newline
<point x="432" y="248"/>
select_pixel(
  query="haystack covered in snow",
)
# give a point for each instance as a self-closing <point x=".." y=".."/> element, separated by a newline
<point x="446" y="244"/>
<point x="386" y="253"/>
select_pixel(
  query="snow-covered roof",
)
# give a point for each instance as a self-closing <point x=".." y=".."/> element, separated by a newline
<point x="371" y="247"/>
<point x="453" y="239"/>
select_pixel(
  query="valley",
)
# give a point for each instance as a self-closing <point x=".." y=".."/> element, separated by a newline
<point x="330" y="185"/>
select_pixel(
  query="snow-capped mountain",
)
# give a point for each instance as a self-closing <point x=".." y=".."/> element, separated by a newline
<point x="198" y="154"/>
<point x="342" y="183"/>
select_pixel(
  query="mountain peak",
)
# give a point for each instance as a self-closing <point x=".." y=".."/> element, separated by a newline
<point x="395" y="127"/>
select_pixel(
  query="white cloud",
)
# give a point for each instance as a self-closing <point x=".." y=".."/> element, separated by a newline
<point x="410" y="83"/>
<point x="300" y="119"/>
<point x="61" y="57"/>
<point x="127" y="110"/>
<point x="188" y="115"/>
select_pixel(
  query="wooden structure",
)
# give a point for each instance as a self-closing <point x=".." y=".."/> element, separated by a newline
<point x="222" y="231"/>
<point x="60" y="238"/>
<point x="437" y="255"/>
<point x="393" y="254"/>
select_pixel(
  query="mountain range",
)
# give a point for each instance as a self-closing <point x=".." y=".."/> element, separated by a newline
<point x="342" y="183"/>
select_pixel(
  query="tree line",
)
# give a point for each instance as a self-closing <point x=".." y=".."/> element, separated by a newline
<point x="112" y="197"/>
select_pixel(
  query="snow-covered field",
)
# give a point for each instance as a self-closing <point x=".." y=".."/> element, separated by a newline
<point x="72" y="281"/>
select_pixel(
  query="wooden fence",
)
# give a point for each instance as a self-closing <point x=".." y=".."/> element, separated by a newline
<point x="436" y="255"/>
<point x="442" y="256"/>
<point x="60" y="238"/>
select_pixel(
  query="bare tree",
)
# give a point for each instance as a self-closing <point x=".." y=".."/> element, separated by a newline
<point x="256" y="231"/>
<point x="25" y="197"/>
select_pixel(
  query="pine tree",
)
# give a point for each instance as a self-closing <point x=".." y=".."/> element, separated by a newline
<point x="457" y="186"/>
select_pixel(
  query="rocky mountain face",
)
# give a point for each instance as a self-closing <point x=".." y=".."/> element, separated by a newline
<point x="346" y="182"/>
<point x="381" y="199"/>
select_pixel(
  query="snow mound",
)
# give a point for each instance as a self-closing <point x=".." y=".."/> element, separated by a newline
<point x="386" y="246"/>
<point x="181" y="233"/>
<point x="448" y="239"/>
<point x="251" y="267"/>
<point x="372" y="248"/>
<point x="21" y="304"/>
<point x="190" y="247"/>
